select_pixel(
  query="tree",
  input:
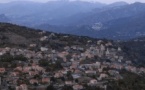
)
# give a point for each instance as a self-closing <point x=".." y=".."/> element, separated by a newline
<point x="44" y="62"/>
<point x="67" y="88"/>
<point x="50" y="87"/>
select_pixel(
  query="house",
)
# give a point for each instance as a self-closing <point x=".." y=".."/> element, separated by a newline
<point x="99" y="42"/>
<point x="142" y="69"/>
<point x="68" y="82"/>
<point x="45" y="80"/>
<point x="93" y="82"/>
<point x="102" y="76"/>
<point x="77" y="71"/>
<point x="26" y="69"/>
<point x="43" y="38"/>
<point x="1" y="53"/>
<point x="18" y="68"/>
<point x="58" y="74"/>
<point x="107" y="52"/>
<point x="77" y="87"/>
<point x="74" y="47"/>
<point x="100" y="70"/>
<point x="67" y="64"/>
<point x="120" y="57"/>
<point x="32" y="45"/>
<point x="119" y="49"/>
<point x="113" y="72"/>
<point x="102" y="47"/>
<point x="89" y="41"/>
<point x="7" y="48"/>
<point x="128" y="62"/>
<point x="17" y="88"/>
<point x="74" y="64"/>
<point x="64" y="71"/>
<point x="14" y="74"/>
<point x="43" y="49"/>
<point x="37" y="68"/>
<point x="133" y="69"/>
<point x="2" y="70"/>
<point x="33" y="81"/>
<point x="97" y="64"/>
<point x="52" y="35"/>
<point x="32" y="73"/>
<point x="108" y="44"/>
<point x="43" y="32"/>
<point x="75" y="76"/>
<point x="90" y="72"/>
<point x="23" y="87"/>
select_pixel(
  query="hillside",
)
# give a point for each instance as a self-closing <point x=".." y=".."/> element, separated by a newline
<point x="37" y="59"/>
<point x="107" y="13"/>
<point x="135" y="48"/>
<point x="22" y="36"/>
<point x="16" y="35"/>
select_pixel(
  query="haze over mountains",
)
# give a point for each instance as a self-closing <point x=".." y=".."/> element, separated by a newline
<point x="119" y="20"/>
<point x="28" y="12"/>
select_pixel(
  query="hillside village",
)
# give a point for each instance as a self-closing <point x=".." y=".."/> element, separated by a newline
<point x="71" y="67"/>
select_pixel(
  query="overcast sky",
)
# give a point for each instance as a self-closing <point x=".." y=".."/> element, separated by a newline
<point x="103" y="1"/>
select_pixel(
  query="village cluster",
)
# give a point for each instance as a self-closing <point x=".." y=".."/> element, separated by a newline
<point x="92" y="65"/>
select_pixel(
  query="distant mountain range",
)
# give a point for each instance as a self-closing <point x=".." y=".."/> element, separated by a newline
<point x="118" y="20"/>
<point x="110" y="13"/>
<point x="121" y="22"/>
<point x="30" y="13"/>
<point x="4" y="18"/>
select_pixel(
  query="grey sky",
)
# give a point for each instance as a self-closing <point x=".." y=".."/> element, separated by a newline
<point x="103" y="1"/>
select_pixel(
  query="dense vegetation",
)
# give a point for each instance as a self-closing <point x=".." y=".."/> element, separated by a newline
<point x="10" y="58"/>
<point x="135" y="50"/>
<point x="130" y="81"/>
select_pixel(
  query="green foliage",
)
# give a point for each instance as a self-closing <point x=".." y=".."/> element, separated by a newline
<point x="10" y="58"/>
<point x="6" y="58"/>
<point x="44" y="63"/>
<point x="92" y="88"/>
<point x="20" y="58"/>
<point x="130" y="81"/>
<point x="68" y="57"/>
<point x="52" y="66"/>
<point x="50" y="87"/>
<point x="67" y="88"/>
